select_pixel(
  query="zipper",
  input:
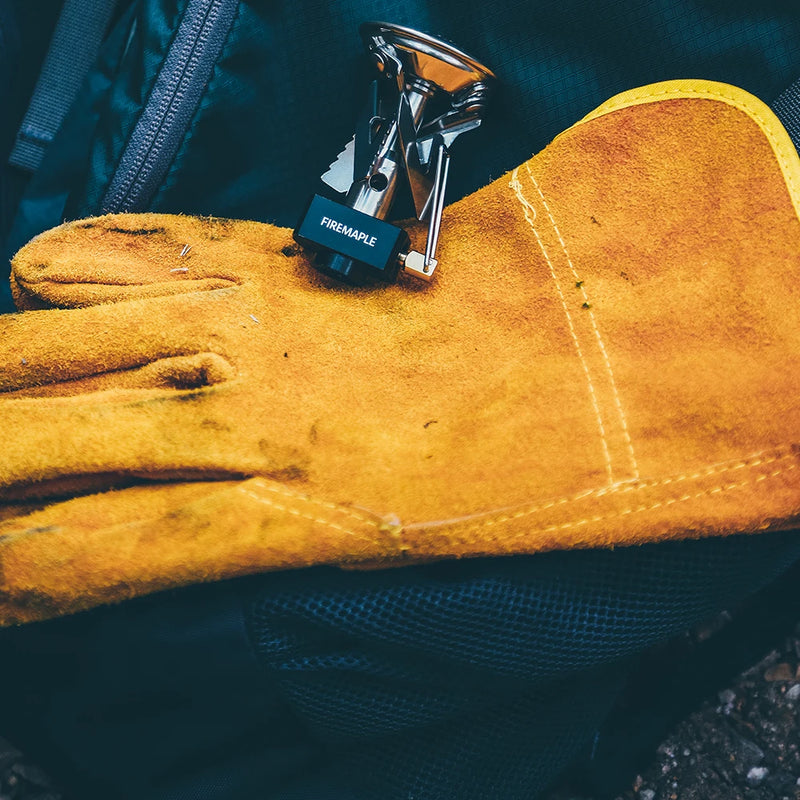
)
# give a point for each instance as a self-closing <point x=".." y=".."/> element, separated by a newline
<point x="169" y="109"/>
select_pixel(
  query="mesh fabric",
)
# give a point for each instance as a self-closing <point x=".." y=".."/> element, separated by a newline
<point x="485" y="679"/>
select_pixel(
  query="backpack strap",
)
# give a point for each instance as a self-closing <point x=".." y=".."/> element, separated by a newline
<point x="76" y="41"/>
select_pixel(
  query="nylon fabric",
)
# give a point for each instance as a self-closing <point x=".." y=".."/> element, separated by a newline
<point x="555" y="63"/>
<point x="148" y="35"/>
<point x="19" y="67"/>
<point x="204" y="27"/>
<point x="502" y="670"/>
<point x="787" y="107"/>
<point x="10" y="53"/>
<point x="351" y="686"/>
<point x="65" y="164"/>
<point x="77" y="39"/>
<point x="257" y="146"/>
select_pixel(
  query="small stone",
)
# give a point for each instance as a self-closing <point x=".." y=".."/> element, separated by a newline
<point x="647" y="794"/>
<point x="756" y="775"/>
<point x="793" y="692"/>
<point x="687" y="752"/>
<point x="779" y="672"/>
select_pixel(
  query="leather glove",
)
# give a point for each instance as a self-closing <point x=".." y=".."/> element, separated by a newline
<point x="608" y="356"/>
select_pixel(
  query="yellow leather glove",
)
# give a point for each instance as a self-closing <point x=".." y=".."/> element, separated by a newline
<point x="608" y="356"/>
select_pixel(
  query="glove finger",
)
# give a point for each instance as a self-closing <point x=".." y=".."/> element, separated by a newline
<point x="63" y="446"/>
<point x="84" y="350"/>
<point x="129" y="256"/>
<point x="74" y="555"/>
<point x="122" y="371"/>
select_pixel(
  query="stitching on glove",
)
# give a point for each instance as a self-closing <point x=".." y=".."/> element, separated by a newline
<point x="297" y="513"/>
<point x="530" y="216"/>
<point x="578" y="282"/>
<point x="285" y="492"/>
<point x="377" y="525"/>
<point x="668" y="502"/>
<point x="747" y="462"/>
<point x="714" y="469"/>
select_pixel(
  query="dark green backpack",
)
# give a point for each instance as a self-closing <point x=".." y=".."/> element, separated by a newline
<point x="235" y="108"/>
<point x="478" y="679"/>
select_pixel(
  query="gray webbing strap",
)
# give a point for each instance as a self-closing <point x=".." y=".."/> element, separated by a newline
<point x="76" y="41"/>
<point x="787" y="109"/>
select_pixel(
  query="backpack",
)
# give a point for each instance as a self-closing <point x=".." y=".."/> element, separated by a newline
<point x="471" y="679"/>
<point x="235" y="109"/>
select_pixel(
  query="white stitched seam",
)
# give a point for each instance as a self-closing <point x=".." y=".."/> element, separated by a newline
<point x="600" y="342"/>
<point x="530" y="216"/>
<point x="296" y="513"/>
<point x="669" y="501"/>
<point x="285" y="492"/>
<point x="760" y="458"/>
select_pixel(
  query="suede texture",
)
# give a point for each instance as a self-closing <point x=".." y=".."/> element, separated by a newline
<point x="610" y="355"/>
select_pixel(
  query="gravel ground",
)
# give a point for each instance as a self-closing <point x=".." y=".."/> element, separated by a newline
<point x="741" y="744"/>
<point x="724" y="703"/>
